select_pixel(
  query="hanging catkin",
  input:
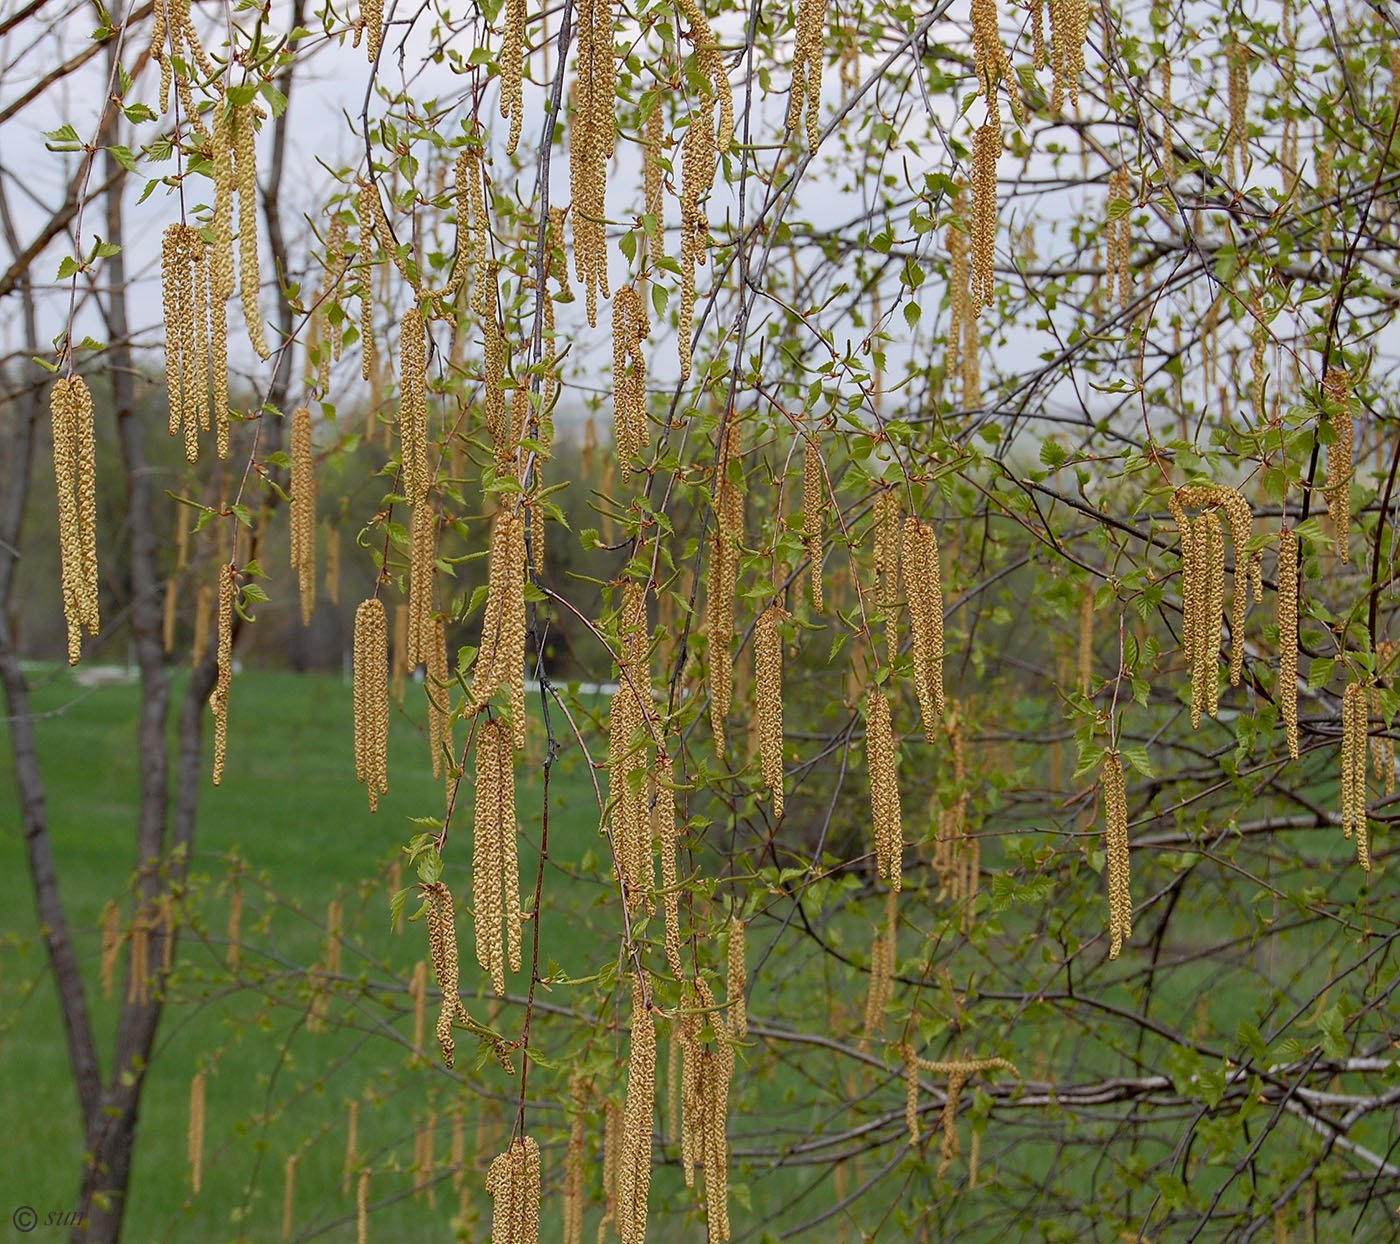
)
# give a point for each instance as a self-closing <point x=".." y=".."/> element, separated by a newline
<point x="371" y="23"/>
<point x="923" y="589"/>
<point x="413" y="405"/>
<point x="630" y="328"/>
<point x="243" y="123"/>
<point x="664" y="818"/>
<point x="513" y="71"/>
<point x="352" y="1146"/>
<point x="442" y="948"/>
<point x="303" y="511"/>
<point x="495" y="866"/>
<point x="808" y="59"/>
<point x="886" y="536"/>
<point x="991" y="63"/>
<point x="628" y="750"/>
<point x="591" y="145"/>
<point x="289" y="1184"/>
<point x="185" y="280"/>
<point x="575" y="1158"/>
<point x="1336" y="390"/>
<point x="958" y="1071"/>
<point x="654" y="179"/>
<point x="75" y="474"/>
<point x="707" y="1069"/>
<point x="1115" y="810"/>
<point x="513" y="1181"/>
<point x="1069" y="26"/>
<point x="881" y="759"/>
<point x="634" y="1161"/>
<point x="369" y="349"/>
<point x="438" y="687"/>
<point x="333" y="564"/>
<point x="195" y="1137"/>
<point x="218" y="698"/>
<point x="986" y="151"/>
<point x="418" y="995"/>
<point x="883" y="956"/>
<point x="494" y="364"/>
<point x="813" y="507"/>
<point x="1237" y="91"/>
<point x="362" y="1208"/>
<point x="1355" y="729"/>
<point x="768" y="661"/>
<point x="1288" y="635"/>
<point x="371" y="699"/>
<point x="422" y="569"/>
<point x="500" y="661"/>
<point x="911" y="1093"/>
<point x="724" y="577"/>
<point x="736" y="986"/>
<point x="1120" y="235"/>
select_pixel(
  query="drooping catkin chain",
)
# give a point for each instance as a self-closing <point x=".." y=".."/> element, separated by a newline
<point x="667" y="836"/>
<point x="923" y="589"/>
<point x="513" y="1181"/>
<point x="882" y="761"/>
<point x="442" y="947"/>
<point x="634" y="1160"/>
<point x="245" y="172"/>
<point x="575" y="1186"/>
<point x="591" y="145"/>
<point x="1115" y="809"/>
<point x="513" y="71"/>
<point x="194" y="1142"/>
<point x="1336" y="391"/>
<point x="628" y="749"/>
<point x="1287" y="691"/>
<point x="1237" y="92"/>
<point x="289" y="1184"/>
<point x="722" y="586"/>
<point x="991" y="63"/>
<point x="185" y="285"/>
<point x="958" y="1071"/>
<point x="439" y="691"/>
<point x="371" y="699"/>
<point x="494" y="360"/>
<point x="911" y="1092"/>
<point x="422" y="572"/>
<point x="809" y="56"/>
<point x="768" y="693"/>
<point x="303" y="511"/>
<point x="630" y="328"/>
<point x="1069" y="26"/>
<point x="736" y="985"/>
<point x="986" y="151"/>
<point x="500" y="661"/>
<point x="952" y="820"/>
<point x="369" y="348"/>
<point x="707" y="1070"/>
<point x="654" y="179"/>
<point x="1355" y="729"/>
<point x="1120" y="235"/>
<point x="371" y="26"/>
<point x="495" y="864"/>
<point x="886" y="536"/>
<point x="177" y="49"/>
<point x="711" y="63"/>
<point x="75" y="476"/>
<point x="413" y="405"/>
<point x="362" y="1208"/>
<point x="218" y="698"/>
<point x="813" y="507"/>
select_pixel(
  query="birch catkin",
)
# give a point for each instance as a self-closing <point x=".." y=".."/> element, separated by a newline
<point x="634" y="1162"/>
<point x="768" y="659"/>
<point x="185" y="297"/>
<point x="75" y="475"/>
<point x="413" y="405"/>
<point x="1336" y="388"/>
<point x="500" y="661"/>
<point x="495" y="867"/>
<point x="513" y="71"/>
<point x="218" y="698"/>
<point x="371" y="699"/>
<point x="575" y="1157"/>
<point x="923" y="589"/>
<point x="438" y="687"/>
<point x="303" y="512"/>
<point x="881" y="759"/>
<point x="630" y="328"/>
<point x="1115" y="806"/>
<point x="244" y="119"/>
<point x="422" y="569"/>
<point x="591" y="145"/>
<point x="737" y="981"/>
<point x="723" y="581"/>
<point x="195" y="1138"/>
<point x="442" y="947"/>
<point x="886" y="535"/>
<point x="986" y="151"/>
<point x="813" y="506"/>
<point x="513" y="1181"/>
<point x="1355" y="729"/>
<point x="809" y="56"/>
<point x="1288" y="635"/>
<point x="664" y="817"/>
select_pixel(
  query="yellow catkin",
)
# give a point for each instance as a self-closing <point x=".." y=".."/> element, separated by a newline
<point x="303" y="512"/>
<point x="371" y="699"/>
<point x="218" y="698"/>
<point x="911" y="1094"/>
<point x="736" y="987"/>
<point x="962" y="311"/>
<point x="352" y="1146"/>
<point x="1210" y="567"/>
<point x="139" y="967"/>
<point x="883" y="956"/>
<point x="768" y="660"/>
<point x="886" y="537"/>
<point x="75" y="475"/>
<point x="667" y="835"/>
<point x="418" y="995"/>
<point x="809" y="56"/>
<point x="495" y="868"/>
<point x="369" y="348"/>
<point x="372" y="24"/>
<point x="634" y="1160"/>
<point x="923" y="589"/>
<point x="654" y="179"/>
<point x="986" y="151"/>
<point x="627" y="753"/>
<point x="724" y="575"/>
<point x="991" y="64"/>
<point x="1120" y="235"/>
<point x="592" y="142"/>
<point x="1288" y="635"/>
<point x="1355" y="729"/>
<point x="1336" y="389"/>
<point x="958" y="1071"/>
<point x="362" y="1208"/>
<point x="513" y="1181"/>
<point x="1069" y="26"/>
<point x="438" y="687"/>
<point x="1259" y="368"/>
<point x="513" y="70"/>
<point x="413" y="405"/>
<point x="422" y="570"/>
<point x="1237" y="91"/>
<point x="234" y="952"/>
<point x="494" y="350"/>
<point x="185" y="282"/>
<point x="289" y="1188"/>
<point x="400" y="651"/>
<point x="500" y="661"/>
<point x="630" y="328"/>
<point x="111" y="945"/>
<point x="575" y="1159"/>
<point x="170" y="615"/>
<point x="882" y="760"/>
<point x="813" y="508"/>
<point x="221" y="281"/>
<point x="333" y="564"/>
<point x="195" y="1137"/>
<point x="245" y="174"/>
<point x="1115" y="809"/>
<point x="442" y="947"/>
